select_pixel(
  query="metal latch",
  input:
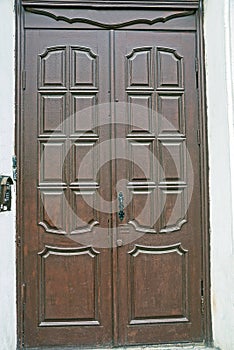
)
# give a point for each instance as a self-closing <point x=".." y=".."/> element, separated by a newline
<point x="5" y="192"/>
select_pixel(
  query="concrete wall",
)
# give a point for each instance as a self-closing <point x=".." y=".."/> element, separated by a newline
<point x="220" y="131"/>
<point x="7" y="219"/>
<point x="219" y="29"/>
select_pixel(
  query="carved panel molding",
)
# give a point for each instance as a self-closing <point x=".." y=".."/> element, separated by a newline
<point x="155" y="80"/>
<point x="67" y="89"/>
<point x="164" y="267"/>
<point x="80" y="286"/>
<point x="55" y="14"/>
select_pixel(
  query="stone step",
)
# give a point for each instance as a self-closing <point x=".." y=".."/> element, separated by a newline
<point x="141" y="347"/>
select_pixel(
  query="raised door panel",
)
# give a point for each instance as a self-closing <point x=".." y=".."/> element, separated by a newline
<point x="52" y="68"/>
<point x="52" y="211"/>
<point x="169" y="68"/>
<point x="68" y="299"/>
<point x="139" y="113"/>
<point x="52" y="113"/>
<point x="172" y="155"/>
<point x="140" y="68"/>
<point x="158" y="285"/>
<point x="52" y="152"/>
<point x="83" y="68"/>
<point x="170" y="109"/>
<point x="84" y="113"/>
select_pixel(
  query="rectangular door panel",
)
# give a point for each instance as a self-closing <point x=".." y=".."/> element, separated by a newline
<point x="74" y="302"/>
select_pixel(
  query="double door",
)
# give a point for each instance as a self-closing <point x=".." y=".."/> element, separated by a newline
<point x="111" y="213"/>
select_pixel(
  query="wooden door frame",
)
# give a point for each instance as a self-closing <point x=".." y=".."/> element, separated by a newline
<point x="195" y="5"/>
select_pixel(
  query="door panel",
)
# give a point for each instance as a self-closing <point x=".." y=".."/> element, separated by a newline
<point x="75" y="301"/>
<point x="159" y="262"/>
<point x="68" y="283"/>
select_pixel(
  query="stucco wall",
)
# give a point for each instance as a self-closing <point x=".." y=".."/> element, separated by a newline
<point x="220" y="131"/>
<point x="219" y="29"/>
<point x="7" y="219"/>
<point x="230" y="73"/>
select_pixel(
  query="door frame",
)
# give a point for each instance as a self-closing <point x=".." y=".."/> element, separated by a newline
<point x="194" y="5"/>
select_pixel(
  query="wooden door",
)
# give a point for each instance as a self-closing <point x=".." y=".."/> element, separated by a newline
<point x="159" y="253"/>
<point x="68" y="284"/>
<point x="110" y="179"/>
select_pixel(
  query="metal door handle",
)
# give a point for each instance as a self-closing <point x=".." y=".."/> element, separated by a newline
<point x="121" y="206"/>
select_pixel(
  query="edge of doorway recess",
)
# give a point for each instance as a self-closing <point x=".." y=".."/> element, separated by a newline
<point x="139" y="347"/>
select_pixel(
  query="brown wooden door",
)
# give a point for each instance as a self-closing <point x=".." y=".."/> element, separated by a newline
<point x="68" y="284"/>
<point x="108" y="112"/>
<point x="159" y="262"/>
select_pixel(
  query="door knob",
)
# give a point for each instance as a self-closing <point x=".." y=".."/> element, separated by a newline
<point x="119" y="242"/>
<point x="121" y="206"/>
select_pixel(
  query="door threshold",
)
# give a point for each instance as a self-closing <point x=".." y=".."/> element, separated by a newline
<point x="188" y="346"/>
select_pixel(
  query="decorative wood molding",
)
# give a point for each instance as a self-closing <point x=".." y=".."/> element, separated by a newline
<point x="114" y="3"/>
<point x="72" y="20"/>
<point x="170" y="50"/>
<point x="51" y="230"/>
<point x="86" y="229"/>
<point x="140" y="228"/>
<point x="138" y="249"/>
<point x="175" y="227"/>
<point x="51" y="250"/>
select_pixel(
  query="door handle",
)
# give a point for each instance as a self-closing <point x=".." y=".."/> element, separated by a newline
<point x="121" y="206"/>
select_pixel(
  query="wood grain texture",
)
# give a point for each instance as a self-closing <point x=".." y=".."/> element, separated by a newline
<point x="123" y="295"/>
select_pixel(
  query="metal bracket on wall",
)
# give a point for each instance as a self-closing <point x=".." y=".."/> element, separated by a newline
<point x="14" y="167"/>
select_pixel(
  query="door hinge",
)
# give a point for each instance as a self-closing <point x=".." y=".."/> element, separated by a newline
<point x="198" y="137"/>
<point x="196" y="71"/>
<point x="18" y="241"/>
<point x="202" y="298"/>
<point x="196" y="64"/>
<point x="14" y="167"/>
<point x="23" y="293"/>
<point x="24" y="79"/>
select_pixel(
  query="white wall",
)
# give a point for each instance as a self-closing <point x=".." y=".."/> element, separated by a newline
<point x="230" y="15"/>
<point x="7" y="219"/>
<point x="218" y="38"/>
<point x="220" y="131"/>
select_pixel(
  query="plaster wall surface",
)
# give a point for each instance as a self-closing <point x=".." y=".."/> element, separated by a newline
<point x="7" y="219"/>
<point x="220" y="139"/>
<point x="219" y="29"/>
<point x="230" y="73"/>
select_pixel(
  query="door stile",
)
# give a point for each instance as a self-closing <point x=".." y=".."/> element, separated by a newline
<point x="113" y="229"/>
<point x="19" y="185"/>
<point x="204" y="177"/>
